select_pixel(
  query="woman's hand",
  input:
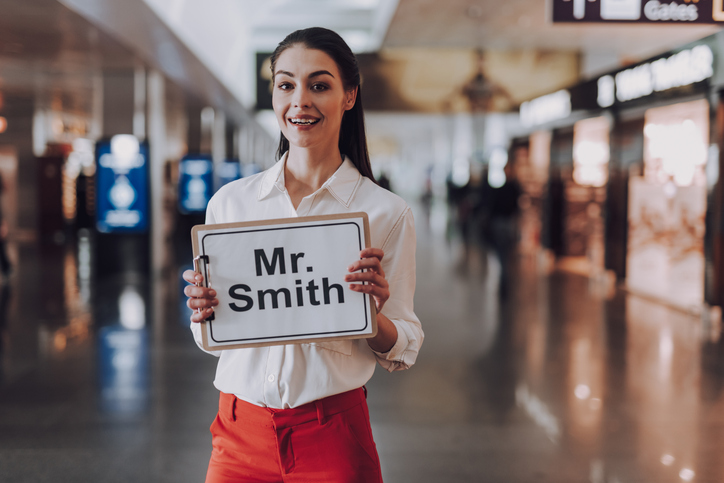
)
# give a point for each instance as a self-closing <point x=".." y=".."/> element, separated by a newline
<point x="377" y="286"/>
<point x="369" y="269"/>
<point x="201" y="299"/>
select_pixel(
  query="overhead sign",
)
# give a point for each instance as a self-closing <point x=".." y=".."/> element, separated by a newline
<point x="548" y="108"/>
<point x="639" y="11"/>
<point x="282" y="281"/>
<point x="681" y="69"/>
<point x="122" y="185"/>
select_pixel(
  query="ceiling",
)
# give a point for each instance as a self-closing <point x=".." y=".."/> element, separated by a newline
<point x="362" y="23"/>
<point x="46" y="46"/>
<point x="524" y="25"/>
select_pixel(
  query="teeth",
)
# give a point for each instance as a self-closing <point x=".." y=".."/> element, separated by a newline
<point x="304" y="122"/>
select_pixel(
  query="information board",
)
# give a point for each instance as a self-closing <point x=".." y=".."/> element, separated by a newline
<point x="196" y="183"/>
<point x="282" y="281"/>
<point x="122" y="185"/>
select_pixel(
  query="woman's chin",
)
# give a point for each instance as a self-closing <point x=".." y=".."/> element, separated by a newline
<point x="303" y="140"/>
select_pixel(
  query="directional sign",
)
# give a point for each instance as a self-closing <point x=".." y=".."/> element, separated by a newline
<point x="639" y="11"/>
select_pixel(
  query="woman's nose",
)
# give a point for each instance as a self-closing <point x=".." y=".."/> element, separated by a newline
<point x="301" y="98"/>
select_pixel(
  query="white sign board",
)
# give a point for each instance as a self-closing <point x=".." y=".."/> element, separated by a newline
<point x="282" y="281"/>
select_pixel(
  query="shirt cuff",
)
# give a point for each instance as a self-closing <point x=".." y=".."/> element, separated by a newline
<point x="395" y="354"/>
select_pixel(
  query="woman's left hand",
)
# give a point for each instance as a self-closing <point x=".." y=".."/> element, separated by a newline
<point x="369" y="269"/>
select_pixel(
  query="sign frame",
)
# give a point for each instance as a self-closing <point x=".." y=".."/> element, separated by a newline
<point x="199" y="232"/>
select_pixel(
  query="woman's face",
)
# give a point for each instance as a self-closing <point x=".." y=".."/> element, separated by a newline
<point x="309" y="98"/>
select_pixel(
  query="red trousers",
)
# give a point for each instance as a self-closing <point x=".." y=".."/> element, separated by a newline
<point x="329" y="440"/>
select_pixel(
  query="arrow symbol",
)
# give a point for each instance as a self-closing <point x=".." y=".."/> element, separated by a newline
<point x="579" y="8"/>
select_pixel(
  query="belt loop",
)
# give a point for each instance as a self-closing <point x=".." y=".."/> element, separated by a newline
<point x="320" y="411"/>
<point x="233" y="408"/>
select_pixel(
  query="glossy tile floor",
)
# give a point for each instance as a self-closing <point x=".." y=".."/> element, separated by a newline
<point x="558" y="381"/>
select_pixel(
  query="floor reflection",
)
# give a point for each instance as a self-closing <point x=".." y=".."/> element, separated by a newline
<point x="559" y="381"/>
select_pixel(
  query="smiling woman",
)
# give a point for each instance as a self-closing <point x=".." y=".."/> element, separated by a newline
<point x="335" y="58"/>
<point x="298" y="412"/>
<point x="310" y="104"/>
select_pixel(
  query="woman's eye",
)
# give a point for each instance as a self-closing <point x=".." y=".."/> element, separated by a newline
<point x="284" y="86"/>
<point x="319" y="87"/>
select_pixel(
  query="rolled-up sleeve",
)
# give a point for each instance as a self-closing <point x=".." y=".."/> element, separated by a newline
<point x="399" y="266"/>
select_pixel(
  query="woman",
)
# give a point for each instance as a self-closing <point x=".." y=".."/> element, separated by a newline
<point x="297" y="412"/>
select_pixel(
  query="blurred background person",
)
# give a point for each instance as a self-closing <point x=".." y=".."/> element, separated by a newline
<point x="503" y="210"/>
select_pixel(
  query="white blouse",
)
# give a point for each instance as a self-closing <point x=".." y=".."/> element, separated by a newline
<point x="287" y="376"/>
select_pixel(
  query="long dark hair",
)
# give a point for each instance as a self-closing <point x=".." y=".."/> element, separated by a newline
<point x="352" y="138"/>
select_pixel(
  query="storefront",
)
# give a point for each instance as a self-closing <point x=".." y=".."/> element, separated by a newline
<point x="564" y="173"/>
<point x="633" y="181"/>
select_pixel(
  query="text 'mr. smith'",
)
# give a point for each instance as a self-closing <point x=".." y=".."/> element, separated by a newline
<point x="262" y="263"/>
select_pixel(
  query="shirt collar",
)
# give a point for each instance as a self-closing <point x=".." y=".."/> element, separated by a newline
<point x="342" y="185"/>
<point x="272" y="177"/>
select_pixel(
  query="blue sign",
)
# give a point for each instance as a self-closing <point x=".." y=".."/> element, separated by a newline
<point x="122" y="185"/>
<point x="226" y="172"/>
<point x="196" y="183"/>
<point x="250" y="169"/>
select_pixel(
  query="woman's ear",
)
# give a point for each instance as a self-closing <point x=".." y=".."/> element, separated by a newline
<point x="350" y="98"/>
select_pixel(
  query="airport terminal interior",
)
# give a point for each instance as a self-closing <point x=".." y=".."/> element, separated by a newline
<point x="562" y="161"/>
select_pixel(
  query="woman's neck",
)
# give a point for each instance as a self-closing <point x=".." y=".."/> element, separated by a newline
<point x="306" y="170"/>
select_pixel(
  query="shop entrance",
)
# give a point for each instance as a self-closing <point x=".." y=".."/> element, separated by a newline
<point x="577" y="195"/>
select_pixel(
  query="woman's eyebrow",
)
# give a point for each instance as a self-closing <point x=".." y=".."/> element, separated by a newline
<point x="321" y="72"/>
<point x="313" y="74"/>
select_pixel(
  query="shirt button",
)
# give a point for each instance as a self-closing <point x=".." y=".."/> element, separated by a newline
<point x="270" y="378"/>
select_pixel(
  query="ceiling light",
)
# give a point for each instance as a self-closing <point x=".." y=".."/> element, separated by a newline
<point x="370" y="4"/>
<point x="358" y="40"/>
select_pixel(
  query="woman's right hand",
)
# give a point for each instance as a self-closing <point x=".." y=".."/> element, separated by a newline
<point x="201" y="300"/>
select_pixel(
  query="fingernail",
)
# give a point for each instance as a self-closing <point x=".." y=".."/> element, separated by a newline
<point x="212" y="292"/>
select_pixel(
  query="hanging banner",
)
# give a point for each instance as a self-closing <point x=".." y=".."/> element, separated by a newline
<point x="639" y="11"/>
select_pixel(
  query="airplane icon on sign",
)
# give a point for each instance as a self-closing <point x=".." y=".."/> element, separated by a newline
<point x="610" y="9"/>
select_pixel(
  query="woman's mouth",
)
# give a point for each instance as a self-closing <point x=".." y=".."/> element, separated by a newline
<point x="303" y="122"/>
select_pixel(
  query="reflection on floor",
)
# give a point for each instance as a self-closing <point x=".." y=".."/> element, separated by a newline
<point x="554" y="382"/>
